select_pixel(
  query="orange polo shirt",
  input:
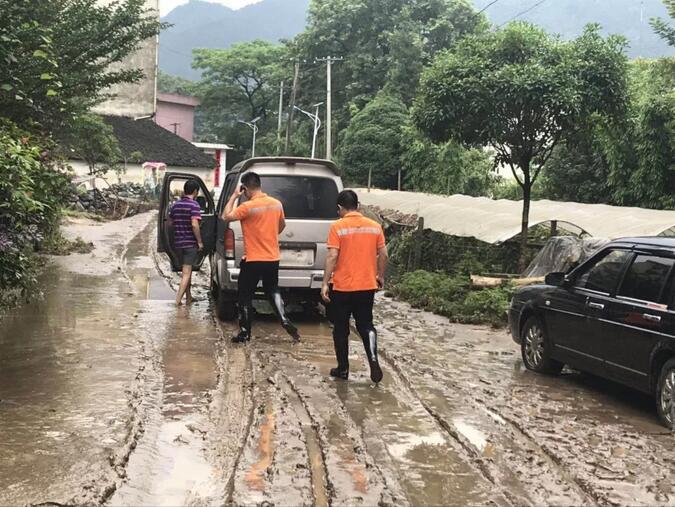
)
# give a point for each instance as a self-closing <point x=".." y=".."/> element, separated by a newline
<point x="260" y="224"/>
<point x="358" y="239"/>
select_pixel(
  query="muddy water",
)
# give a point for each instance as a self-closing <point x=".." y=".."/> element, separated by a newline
<point x="68" y="365"/>
<point x="109" y="394"/>
<point x="169" y="465"/>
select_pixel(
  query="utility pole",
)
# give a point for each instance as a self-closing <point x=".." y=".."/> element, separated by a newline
<point x="294" y="92"/>
<point x="329" y="103"/>
<point x="281" y="112"/>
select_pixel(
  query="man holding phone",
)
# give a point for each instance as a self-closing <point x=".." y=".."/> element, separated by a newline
<point x="262" y="220"/>
<point x="186" y="216"/>
<point x="356" y="265"/>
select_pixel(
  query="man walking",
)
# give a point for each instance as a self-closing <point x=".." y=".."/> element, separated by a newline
<point x="186" y="217"/>
<point x="356" y="264"/>
<point x="262" y="220"/>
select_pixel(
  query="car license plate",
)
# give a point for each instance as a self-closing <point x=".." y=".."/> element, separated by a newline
<point x="297" y="258"/>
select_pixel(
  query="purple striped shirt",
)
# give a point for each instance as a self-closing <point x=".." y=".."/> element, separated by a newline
<point x="182" y="213"/>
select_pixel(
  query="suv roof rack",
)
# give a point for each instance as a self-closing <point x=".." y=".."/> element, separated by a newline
<point x="244" y="166"/>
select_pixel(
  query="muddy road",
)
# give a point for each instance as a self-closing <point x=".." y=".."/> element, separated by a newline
<point x="110" y="395"/>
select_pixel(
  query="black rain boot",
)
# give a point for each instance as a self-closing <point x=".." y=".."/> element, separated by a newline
<point x="370" y="343"/>
<point x="278" y="304"/>
<point x="338" y="373"/>
<point x="244" y="325"/>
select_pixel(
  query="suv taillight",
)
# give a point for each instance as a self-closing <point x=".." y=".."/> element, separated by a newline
<point x="229" y="243"/>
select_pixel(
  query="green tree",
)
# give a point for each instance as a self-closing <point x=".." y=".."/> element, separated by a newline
<point x="447" y="168"/>
<point x="384" y="43"/>
<point x="166" y="83"/>
<point x="642" y="153"/>
<point x="371" y="148"/>
<point x="520" y="91"/>
<point x="662" y="27"/>
<point x="92" y="140"/>
<point x="57" y="57"/>
<point x="239" y="83"/>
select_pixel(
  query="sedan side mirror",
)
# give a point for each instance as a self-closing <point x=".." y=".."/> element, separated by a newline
<point x="556" y="279"/>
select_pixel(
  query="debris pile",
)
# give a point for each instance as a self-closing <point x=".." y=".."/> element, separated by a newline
<point x="116" y="201"/>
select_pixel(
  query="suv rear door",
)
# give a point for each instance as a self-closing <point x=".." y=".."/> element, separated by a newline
<point x="637" y="318"/>
<point x="172" y="190"/>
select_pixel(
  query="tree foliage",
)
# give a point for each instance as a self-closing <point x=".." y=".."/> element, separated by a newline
<point x="239" y="83"/>
<point x="384" y="43"/>
<point x="92" y="140"/>
<point x="373" y="142"/>
<point x="663" y="28"/>
<point x="57" y="57"/>
<point x="446" y="168"/>
<point x="521" y="91"/>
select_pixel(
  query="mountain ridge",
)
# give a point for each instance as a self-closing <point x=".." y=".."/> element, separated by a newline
<point x="204" y="24"/>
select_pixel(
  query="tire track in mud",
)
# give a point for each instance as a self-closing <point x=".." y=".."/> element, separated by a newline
<point x="532" y="486"/>
<point x="552" y="433"/>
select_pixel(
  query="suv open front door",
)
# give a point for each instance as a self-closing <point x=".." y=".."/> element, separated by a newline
<point x="172" y="191"/>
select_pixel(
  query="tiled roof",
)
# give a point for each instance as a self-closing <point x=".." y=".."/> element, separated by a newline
<point x="156" y="144"/>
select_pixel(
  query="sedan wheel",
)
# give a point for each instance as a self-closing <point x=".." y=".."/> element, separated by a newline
<point x="665" y="395"/>
<point x="534" y="348"/>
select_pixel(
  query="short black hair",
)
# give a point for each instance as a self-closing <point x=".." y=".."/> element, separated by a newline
<point x="251" y="181"/>
<point x="190" y="187"/>
<point x="348" y="200"/>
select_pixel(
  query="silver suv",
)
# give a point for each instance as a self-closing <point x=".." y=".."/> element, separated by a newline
<point x="308" y="190"/>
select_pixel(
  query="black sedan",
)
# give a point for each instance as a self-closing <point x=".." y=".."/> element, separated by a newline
<point x="613" y="316"/>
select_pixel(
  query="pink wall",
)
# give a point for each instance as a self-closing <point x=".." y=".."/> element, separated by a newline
<point x="176" y="109"/>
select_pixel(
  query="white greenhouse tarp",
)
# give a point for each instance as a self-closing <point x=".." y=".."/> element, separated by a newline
<point x="495" y="221"/>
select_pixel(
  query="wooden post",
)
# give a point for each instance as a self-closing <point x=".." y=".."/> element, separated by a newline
<point x="554" y="228"/>
<point x="370" y="178"/>
<point x="417" y="260"/>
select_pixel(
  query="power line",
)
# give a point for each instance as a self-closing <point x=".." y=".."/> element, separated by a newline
<point x="522" y="13"/>
<point x="487" y="6"/>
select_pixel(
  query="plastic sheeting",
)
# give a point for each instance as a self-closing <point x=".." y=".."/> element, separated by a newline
<point x="562" y="254"/>
<point x="495" y="221"/>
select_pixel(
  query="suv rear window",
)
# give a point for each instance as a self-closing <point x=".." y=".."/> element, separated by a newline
<point x="646" y="278"/>
<point x="303" y="197"/>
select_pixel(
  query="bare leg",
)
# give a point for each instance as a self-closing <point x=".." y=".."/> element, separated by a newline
<point x="184" y="284"/>
<point x="188" y="293"/>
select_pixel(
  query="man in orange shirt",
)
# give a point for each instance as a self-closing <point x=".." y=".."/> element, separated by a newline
<point x="262" y="220"/>
<point x="356" y="264"/>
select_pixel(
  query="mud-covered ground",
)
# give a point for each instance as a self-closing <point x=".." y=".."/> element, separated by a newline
<point x="109" y="394"/>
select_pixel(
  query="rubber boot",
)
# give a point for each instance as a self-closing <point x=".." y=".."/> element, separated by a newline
<point x="342" y="355"/>
<point x="370" y="344"/>
<point x="244" y="325"/>
<point x="278" y="305"/>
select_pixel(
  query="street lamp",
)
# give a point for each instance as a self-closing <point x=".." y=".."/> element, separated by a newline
<point x="317" y="123"/>
<point x="252" y="125"/>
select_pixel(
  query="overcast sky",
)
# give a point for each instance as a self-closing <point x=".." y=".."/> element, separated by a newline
<point x="165" y="6"/>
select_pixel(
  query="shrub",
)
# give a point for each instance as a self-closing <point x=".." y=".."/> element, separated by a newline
<point x="452" y="297"/>
<point x="32" y="192"/>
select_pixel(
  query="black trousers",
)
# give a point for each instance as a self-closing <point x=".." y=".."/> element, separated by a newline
<point x="250" y="275"/>
<point x="344" y="305"/>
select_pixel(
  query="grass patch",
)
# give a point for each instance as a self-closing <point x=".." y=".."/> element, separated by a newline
<point x="57" y="244"/>
<point x="452" y="297"/>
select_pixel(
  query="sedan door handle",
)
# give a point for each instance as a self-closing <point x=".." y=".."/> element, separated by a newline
<point x="651" y="318"/>
<point x="596" y="306"/>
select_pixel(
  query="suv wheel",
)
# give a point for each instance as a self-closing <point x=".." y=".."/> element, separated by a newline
<point x="665" y="393"/>
<point x="534" y="348"/>
<point x="226" y="307"/>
